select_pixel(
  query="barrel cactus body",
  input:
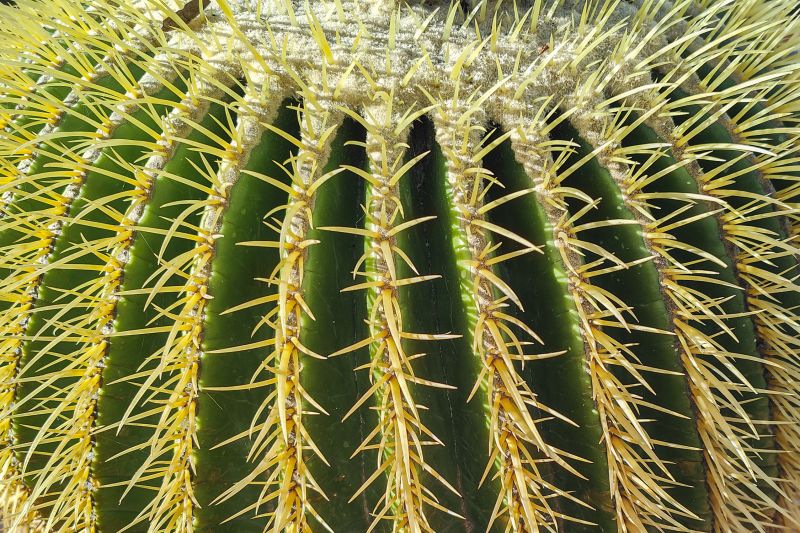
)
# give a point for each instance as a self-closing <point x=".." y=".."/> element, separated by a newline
<point x="276" y="265"/>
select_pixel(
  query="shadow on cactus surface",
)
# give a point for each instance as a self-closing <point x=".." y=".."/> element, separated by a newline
<point x="350" y="265"/>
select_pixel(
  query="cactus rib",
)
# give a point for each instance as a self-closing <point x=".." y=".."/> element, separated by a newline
<point x="76" y="169"/>
<point x="524" y="489"/>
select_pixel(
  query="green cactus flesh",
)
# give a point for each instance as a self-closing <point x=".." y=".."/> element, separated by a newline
<point x="399" y="266"/>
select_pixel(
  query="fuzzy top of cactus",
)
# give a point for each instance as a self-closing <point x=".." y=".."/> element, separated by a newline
<point x="584" y="212"/>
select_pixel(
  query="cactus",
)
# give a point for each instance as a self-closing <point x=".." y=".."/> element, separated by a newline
<point x="353" y="265"/>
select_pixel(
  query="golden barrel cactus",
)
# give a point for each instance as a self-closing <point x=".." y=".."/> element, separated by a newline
<point x="362" y="265"/>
